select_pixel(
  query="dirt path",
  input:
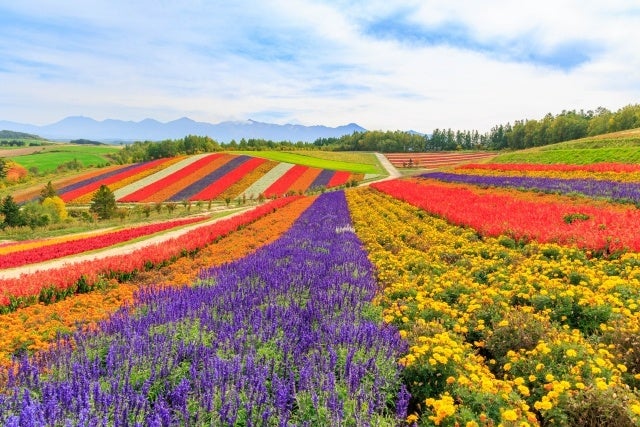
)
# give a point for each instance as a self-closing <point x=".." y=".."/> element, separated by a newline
<point x="12" y="273"/>
<point x="14" y="152"/>
<point x="391" y="170"/>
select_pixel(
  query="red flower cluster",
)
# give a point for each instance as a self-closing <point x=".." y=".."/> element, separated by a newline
<point x="59" y="250"/>
<point x="603" y="227"/>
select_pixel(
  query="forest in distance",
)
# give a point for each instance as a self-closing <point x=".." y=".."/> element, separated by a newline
<point x="566" y="126"/>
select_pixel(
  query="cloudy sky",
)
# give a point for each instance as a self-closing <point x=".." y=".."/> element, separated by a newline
<point x="379" y="63"/>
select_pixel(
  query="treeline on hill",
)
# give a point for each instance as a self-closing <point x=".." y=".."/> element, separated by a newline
<point x="551" y="129"/>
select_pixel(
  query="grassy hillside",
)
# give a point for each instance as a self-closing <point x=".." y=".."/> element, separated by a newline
<point x="622" y="147"/>
<point x="48" y="158"/>
<point x="347" y="161"/>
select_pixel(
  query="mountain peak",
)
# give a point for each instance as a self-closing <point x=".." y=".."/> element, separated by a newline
<point x="110" y="130"/>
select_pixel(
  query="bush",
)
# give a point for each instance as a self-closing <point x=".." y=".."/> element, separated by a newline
<point x="519" y="329"/>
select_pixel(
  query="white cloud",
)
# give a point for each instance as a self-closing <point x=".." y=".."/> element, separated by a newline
<point x="314" y="62"/>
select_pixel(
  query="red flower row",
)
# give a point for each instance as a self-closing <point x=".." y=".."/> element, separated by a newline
<point x="73" y="194"/>
<point x="217" y="187"/>
<point x="31" y="285"/>
<point x="605" y="228"/>
<point x="178" y="175"/>
<point x="62" y="249"/>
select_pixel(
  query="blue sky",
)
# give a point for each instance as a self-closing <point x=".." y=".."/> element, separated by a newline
<point x="408" y="65"/>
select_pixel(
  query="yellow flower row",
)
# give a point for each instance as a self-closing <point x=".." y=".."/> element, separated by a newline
<point x="513" y="334"/>
<point x="578" y="174"/>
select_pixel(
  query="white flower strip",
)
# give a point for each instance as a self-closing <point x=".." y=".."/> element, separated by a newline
<point x="261" y="185"/>
<point x="135" y="186"/>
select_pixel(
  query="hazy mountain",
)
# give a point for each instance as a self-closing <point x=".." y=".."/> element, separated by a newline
<point x="119" y="130"/>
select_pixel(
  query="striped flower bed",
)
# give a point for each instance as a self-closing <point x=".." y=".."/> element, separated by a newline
<point x="241" y="187"/>
<point x="435" y="159"/>
<point x="72" y="192"/>
<point x="339" y="178"/>
<point x="607" y="228"/>
<point x="110" y="238"/>
<point x="135" y="186"/>
<point x="304" y="181"/>
<point x="283" y="183"/>
<point x="539" y="171"/>
<point x="61" y="282"/>
<point x="34" y="192"/>
<point x="80" y="310"/>
<point x="168" y="182"/>
<point x="114" y="186"/>
<point x="174" y="188"/>
<point x="184" y="356"/>
<point x="615" y="190"/>
<point x="526" y="167"/>
<point x="267" y="180"/>
<point x="323" y="179"/>
<point x="228" y="179"/>
<point x="197" y="186"/>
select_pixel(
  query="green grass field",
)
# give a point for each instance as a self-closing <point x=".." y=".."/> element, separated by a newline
<point x="51" y="157"/>
<point x="620" y="147"/>
<point x="345" y="161"/>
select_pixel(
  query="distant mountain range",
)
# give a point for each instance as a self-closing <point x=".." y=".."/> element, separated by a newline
<point x="126" y="131"/>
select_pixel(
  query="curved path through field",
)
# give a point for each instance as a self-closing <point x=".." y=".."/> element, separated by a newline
<point x="386" y="164"/>
<point x="12" y="273"/>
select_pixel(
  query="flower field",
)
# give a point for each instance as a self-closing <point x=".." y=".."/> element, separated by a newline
<point x="186" y="356"/>
<point x="435" y="159"/>
<point x="441" y="300"/>
<point x="53" y="284"/>
<point x="613" y="181"/>
<point x="525" y="216"/>
<point x="44" y="250"/>
<point x="197" y="178"/>
<point x="35" y="327"/>
<point x="535" y="334"/>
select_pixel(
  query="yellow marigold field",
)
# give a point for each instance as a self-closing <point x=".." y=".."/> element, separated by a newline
<point x="502" y="333"/>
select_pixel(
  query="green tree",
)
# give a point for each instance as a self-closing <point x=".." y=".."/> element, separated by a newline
<point x="103" y="203"/>
<point x="47" y="192"/>
<point x="12" y="215"/>
<point x="36" y="215"/>
<point x="3" y="168"/>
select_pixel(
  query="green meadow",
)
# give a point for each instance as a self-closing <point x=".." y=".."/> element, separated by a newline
<point x="346" y="161"/>
<point x="49" y="158"/>
<point x="620" y="147"/>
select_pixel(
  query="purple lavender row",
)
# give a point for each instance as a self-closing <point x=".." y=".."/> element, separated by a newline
<point x="193" y="189"/>
<point x="621" y="191"/>
<point x="280" y="337"/>
<point x="322" y="180"/>
<point x="98" y="178"/>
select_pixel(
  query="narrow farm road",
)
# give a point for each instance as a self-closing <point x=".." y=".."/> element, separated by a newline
<point x="12" y="273"/>
<point x="391" y="170"/>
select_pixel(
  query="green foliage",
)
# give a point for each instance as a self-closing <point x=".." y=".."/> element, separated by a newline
<point x="48" y="191"/>
<point x="3" y="168"/>
<point x="11" y="212"/>
<point x="51" y="157"/>
<point x="103" y="203"/>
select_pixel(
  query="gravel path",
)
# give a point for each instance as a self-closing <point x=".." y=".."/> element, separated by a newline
<point x="391" y="170"/>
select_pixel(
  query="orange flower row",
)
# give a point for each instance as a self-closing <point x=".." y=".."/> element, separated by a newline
<point x="86" y="198"/>
<point x="33" y="192"/>
<point x="35" y="327"/>
<point x="178" y="185"/>
<point x="248" y="179"/>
